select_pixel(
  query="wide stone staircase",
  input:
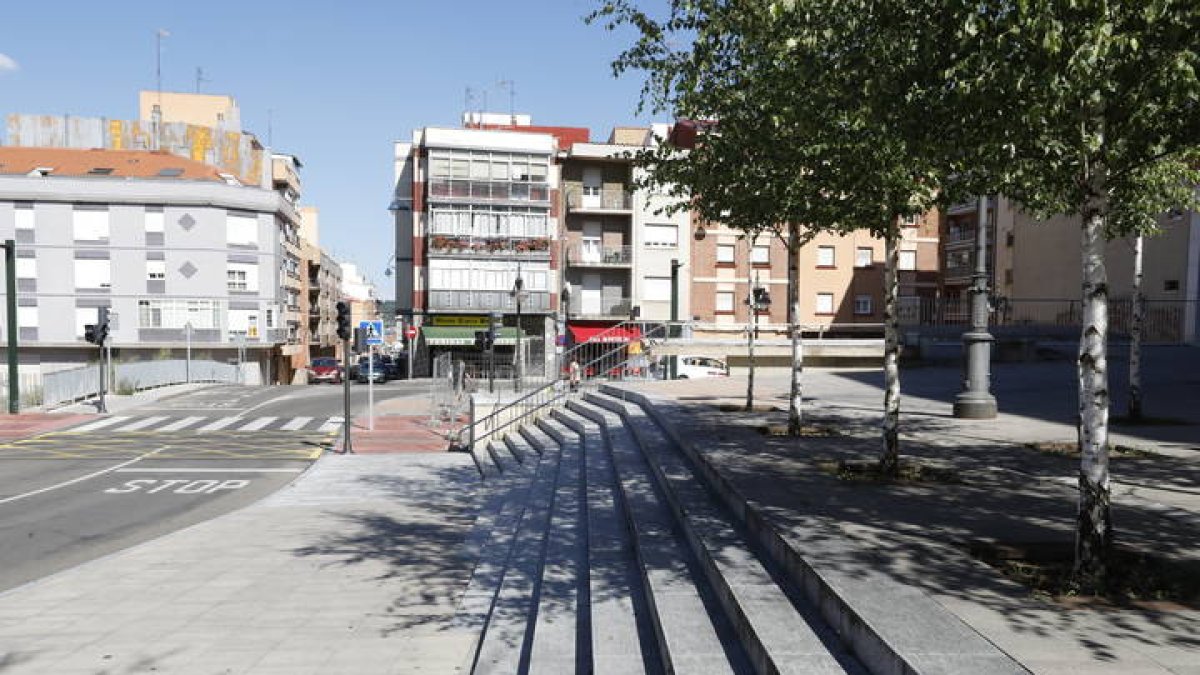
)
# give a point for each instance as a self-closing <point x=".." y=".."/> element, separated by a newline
<point x="605" y="547"/>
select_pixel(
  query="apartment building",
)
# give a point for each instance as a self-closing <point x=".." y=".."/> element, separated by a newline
<point x="291" y="355"/>
<point x="178" y="250"/>
<point x="619" y="244"/>
<point x="359" y="292"/>
<point x="321" y="289"/>
<point x="477" y="208"/>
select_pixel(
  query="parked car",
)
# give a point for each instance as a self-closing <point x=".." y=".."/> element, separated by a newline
<point x="695" y="367"/>
<point x="374" y="370"/>
<point x="393" y="366"/>
<point x="325" y="370"/>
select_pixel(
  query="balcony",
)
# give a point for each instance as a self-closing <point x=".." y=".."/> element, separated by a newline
<point x="482" y="190"/>
<point x="486" y="301"/>
<point x="529" y="249"/>
<point x="584" y="200"/>
<point x="602" y="308"/>
<point x="591" y="255"/>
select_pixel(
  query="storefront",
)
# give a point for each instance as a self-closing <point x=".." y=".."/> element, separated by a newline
<point x="605" y="350"/>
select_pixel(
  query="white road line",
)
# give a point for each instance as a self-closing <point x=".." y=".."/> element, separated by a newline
<point x="331" y="424"/>
<point x="142" y="424"/>
<point x="101" y="472"/>
<point x="258" y="424"/>
<point x="181" y="424"/>
<point x="167" y="469"/>
<point x="296" y="424"/>
<point x="221" y="423"/>
<point x="99" y="424"/>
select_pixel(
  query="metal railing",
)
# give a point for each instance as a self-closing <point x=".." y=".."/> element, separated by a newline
<point x="610" y="361"/>
<point x="80" y="383"/>
<point x="605" y="307"/>
<point x="584" y="255"/>
<point x="1165" y="320"/>
<point x="604" y="200"/>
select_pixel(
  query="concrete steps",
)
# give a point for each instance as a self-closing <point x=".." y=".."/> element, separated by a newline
<point x="608" y="555"/>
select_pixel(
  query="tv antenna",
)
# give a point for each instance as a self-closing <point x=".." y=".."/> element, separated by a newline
<point x="200" y="78"/>
<point x="512" y="97"/>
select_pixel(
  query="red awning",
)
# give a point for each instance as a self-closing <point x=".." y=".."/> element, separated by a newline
<point x="603" y="334"/>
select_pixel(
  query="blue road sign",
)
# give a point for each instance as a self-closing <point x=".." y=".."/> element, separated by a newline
<point x="373" y="330"/>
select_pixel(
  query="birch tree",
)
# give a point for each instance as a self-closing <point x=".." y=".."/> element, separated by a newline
<point x="1084" y="106"/>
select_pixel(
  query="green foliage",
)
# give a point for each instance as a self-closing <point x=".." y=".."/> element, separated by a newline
<point x="126" y="387"/>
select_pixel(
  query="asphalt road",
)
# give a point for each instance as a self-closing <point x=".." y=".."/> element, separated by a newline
<point x="72" y="496"/>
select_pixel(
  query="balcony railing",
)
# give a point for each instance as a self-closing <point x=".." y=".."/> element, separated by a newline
<point x="491" y="246"/>
<point x="590" y="255"/>
<point x="604" y="307"/>
<point x="489" y="190"/>
<point x="487" y="301"/>
<point x="579" y="199"/>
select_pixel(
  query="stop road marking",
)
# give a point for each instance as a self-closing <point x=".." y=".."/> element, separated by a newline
<point x="179" y="486"/>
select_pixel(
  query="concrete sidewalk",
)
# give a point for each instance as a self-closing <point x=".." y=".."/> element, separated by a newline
<point x="918" y="533"/>
<point x="357" y="567"/>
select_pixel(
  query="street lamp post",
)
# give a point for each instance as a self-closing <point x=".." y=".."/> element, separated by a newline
<point x="518" y="293"/>
<point x="975" y="402"/>
<point x="759" y="298"/>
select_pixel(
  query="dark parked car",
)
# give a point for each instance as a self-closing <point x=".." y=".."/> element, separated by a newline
<point x="367" y="369"/>
<point x="325" y="370"/>
<point x="393" y="367"/>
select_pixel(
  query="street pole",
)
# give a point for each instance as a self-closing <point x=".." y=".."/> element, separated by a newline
<point x="346" y="397"/>
<point x="975" y="402"/>
<point x="10" y="283"/>
<point x="187" y="331"/>
<point x="371" y="387"/>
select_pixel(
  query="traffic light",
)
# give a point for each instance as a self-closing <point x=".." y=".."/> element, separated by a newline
<point x="102" y="327"/>
<point x="484" y="340"/>
<point x="343" y="320"/>
<point x="762" y="297"/>
<point x="90" y="334"/>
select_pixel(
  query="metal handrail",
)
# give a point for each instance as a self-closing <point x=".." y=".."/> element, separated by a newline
<point x="552" y="389"/>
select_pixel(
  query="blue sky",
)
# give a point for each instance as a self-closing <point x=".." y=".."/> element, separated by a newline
<point x="342" y="80"/>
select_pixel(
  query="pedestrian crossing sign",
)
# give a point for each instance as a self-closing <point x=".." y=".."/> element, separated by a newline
<point x="372" y="332"/>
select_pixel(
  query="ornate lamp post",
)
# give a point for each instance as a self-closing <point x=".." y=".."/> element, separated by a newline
<point x="975" y="402"/>
<point x="758" y="300"/>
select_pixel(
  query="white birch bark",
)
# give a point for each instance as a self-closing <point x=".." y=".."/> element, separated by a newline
<point x="1094" y="526"/>
<point x="750" y="309"/>
<point x="889" y="463"/>
<point x="1135" y="333"/>
<point x="793" y="318"/>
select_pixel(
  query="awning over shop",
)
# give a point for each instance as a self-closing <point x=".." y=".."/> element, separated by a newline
<point x="604" y="334"/>
<point x="448" y="336"/>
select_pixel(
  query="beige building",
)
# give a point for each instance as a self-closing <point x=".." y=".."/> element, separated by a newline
<point x="1047" y="275"/>
<point x="322" y="289"/>
<point x="206" y="110"/>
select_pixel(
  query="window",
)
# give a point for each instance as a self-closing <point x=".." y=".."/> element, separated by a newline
<point x="824" y="303"/>
<point x="863" y="256"/>
<point x="92" y="273"/>
<point x="24" y="219"/>
<point x="825" y="256"/>
<point x="27" y="317"/>
<point x="90" y="224"/>
<point x="26" y="268"/>
<point x="760" y="255"/>
<point x="862" y="304"/>
<point x="657" y="288"/>
<point x="911" y="221"/>
<point x="724" y="254"/>
<point x="662" y="236"/>
<point x="724" y="302"/>
<point x="156" y="270"/>
<point x="154" y="221"/>
<point x="202" y="314"/>
<point x="241" y="229"/>
<point x="908" y="260"/>
<point x="270" y="318"/>
<point x="242" y="277"/>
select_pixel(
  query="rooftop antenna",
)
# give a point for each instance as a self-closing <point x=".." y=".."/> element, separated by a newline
<point x="512" y="95"/>
<point x="200" y="78"/>
<point x="270" y="131"/>
<point x="468" y="102"/>
<point x="158" y="38"/>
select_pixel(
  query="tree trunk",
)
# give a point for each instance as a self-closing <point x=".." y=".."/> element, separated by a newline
<point x="889" y="463"/>
<point x="1093" y="534"/>
<point x="793" y="319"/>
<point x="750" y="324"/>
<point x="1135" y="334"/>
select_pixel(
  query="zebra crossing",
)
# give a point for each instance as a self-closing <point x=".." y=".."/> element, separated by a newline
<point x="231" y="423"/>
